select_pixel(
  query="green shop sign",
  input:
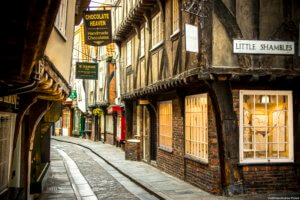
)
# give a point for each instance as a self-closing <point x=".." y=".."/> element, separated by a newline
<point x="73" y="95"/>
<point x="86" y="70"/>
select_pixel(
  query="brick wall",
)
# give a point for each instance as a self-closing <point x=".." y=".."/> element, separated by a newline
<point x="264" y="178"/>
<point x="109" y="138"/>
<point x="205" y="176"/>
<point x="133" y="151"/>
<point x="173" y="162"/>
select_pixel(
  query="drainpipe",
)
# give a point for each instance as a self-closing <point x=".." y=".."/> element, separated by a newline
<point x="30" y="87"/>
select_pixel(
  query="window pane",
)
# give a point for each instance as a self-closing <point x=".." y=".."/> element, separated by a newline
<point x="260" y="154"/>
<point x="272" y="151"/>
<point x="285" y="151"/>
<point x="283" y="102"/>
<point x="248" y="154"/>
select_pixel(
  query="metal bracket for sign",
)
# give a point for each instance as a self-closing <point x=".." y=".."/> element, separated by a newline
<point x="88" y="7"/>
<point x="195" y="7"/>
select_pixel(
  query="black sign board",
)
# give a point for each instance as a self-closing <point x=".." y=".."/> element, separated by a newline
<point x="86" y="70"/>
<point x="97" y="27"/>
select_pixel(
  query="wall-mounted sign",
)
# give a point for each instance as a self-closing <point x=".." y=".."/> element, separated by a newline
<point x="86" y="70"/>
<point x="264" y="47"/>
<point x="144" y="102"/>
<point x="191" y="36"/>
<point x="97" y="27"/>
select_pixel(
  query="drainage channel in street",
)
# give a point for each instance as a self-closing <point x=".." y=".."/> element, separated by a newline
<point x="103" y="182"/>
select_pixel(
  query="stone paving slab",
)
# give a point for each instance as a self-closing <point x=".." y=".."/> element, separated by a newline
<point x="160" y="183"/>
<point x="58" y="185"/>
<point x="155" y="181"/>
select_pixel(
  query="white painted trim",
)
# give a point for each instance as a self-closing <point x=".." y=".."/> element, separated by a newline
<point x="290" y="126"/>
<point x="185" y="153"/>
<point x="169" y="148"/>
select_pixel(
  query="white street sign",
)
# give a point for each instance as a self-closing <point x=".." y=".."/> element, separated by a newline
<point x="264" y="47"/>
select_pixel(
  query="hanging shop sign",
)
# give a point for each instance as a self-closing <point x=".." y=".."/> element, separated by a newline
<point x="97" y="27"/>
<point x="263" y="47"/>
<point x="86" y="70"/>
<point x="73" y="95"/>
<point x="191" y="38"/>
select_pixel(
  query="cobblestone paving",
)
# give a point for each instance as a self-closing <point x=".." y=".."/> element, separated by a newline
<point x="101" y="182"/>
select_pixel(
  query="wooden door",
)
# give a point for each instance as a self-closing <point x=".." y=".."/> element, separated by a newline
<point x="146" y="133"/>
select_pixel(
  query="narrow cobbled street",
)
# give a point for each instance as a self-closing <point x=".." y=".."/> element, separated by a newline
<point x="76" y="173"/>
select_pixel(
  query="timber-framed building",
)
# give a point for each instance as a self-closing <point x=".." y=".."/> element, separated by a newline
<point x="225" y="122"/>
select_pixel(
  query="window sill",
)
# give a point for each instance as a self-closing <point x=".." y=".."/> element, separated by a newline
<point x="157" y="46"/>
<point x="175" y="35"/>
<point x="169" y="150"/>
<point x="196" y="159"/>
<point x="273" y="163"/>
<point x="61" y="34"/>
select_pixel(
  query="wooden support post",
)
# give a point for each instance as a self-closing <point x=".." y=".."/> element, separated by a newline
<point x="221" y="94"/>
<point x="37" y="111"/>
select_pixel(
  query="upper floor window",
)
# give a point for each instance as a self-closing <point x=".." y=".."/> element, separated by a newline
<point x="157" y="28"/>
<point x="165" y="124"/>
<point x="196" y="127"/>
<point x="61" y="18"/>
<point x="266" y="126"/>
<point x="128" y="53"/>
<point x="142" y="52"/>
<point x="175" y="16"/>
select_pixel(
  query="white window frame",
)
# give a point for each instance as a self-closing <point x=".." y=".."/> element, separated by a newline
<point x="173" y="16"/>
<point x="157" y="35"/>
<point x="171" y="122"/>
<point x="142" y="50"/>
<point x="205" y="158"/>
<point x="61" y="18"/>
<point x="290" y="126"/>
<point x="129" y="53"/>
<point x="12" y="118"/>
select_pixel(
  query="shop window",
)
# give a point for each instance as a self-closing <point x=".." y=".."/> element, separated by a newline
<point x="266" y="126"/>
<point x="7" y="128"/>
<point x="66" y="118"/>
<point x="165" y="124"/>
<point x="196" y="128"/>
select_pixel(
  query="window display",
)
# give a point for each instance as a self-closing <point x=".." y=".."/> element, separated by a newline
<point x="265" y="126"/>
